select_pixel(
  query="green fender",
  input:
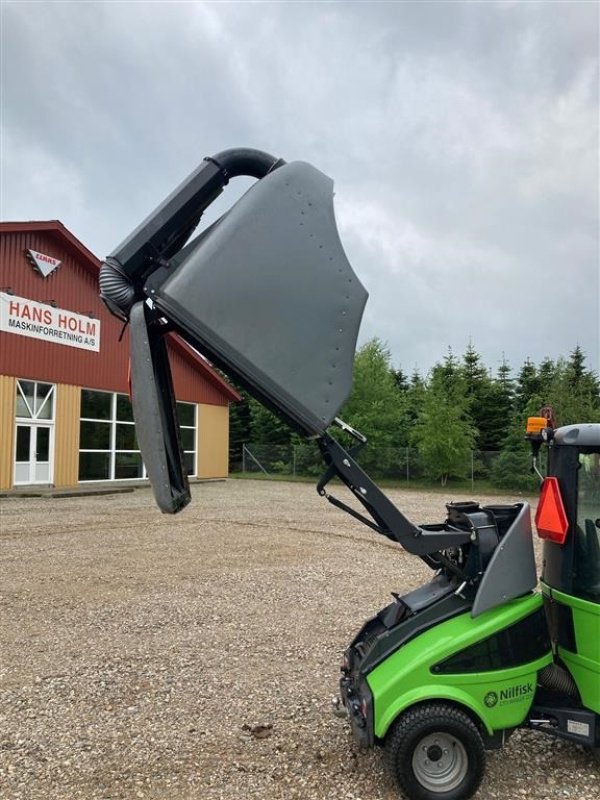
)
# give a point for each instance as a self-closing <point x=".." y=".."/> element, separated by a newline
<point x="428" y="693"/>
<point x="584" y="665"/>
<point x="499" y="699"/>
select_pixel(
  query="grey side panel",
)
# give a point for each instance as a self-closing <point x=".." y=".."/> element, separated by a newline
<point x="269" y="294"/>
<point x="511" y="571"/>
<point x="428" y="594"/>
<point x="154" y="413"/>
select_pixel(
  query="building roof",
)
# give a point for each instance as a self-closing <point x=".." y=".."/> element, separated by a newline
<point x="91" y="263"/>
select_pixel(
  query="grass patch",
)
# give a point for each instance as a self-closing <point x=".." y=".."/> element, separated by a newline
<point x="469" y="490"/>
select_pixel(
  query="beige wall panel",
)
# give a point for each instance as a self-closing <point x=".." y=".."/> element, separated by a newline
<point x="66" y="443"/>
<point x="7" y="430"/>
<point x="213" y="441"/>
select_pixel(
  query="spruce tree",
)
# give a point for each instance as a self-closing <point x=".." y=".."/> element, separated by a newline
<point x="401" y="380"/>
<point x="504" y="401"/>
<point x="483" y="399"/>
<point x="575" y="391"/>
<point x="444" y="434"/>
<point x="512" y="469"/>
<point x="546" y="375"/>
<point x="528" y="385"/>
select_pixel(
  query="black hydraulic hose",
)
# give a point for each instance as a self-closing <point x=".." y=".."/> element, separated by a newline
<point x="245" y="161"/>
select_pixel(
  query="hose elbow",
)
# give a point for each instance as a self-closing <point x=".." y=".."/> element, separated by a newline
<point x="116" y="289"/>
<point x="245" y="161"/>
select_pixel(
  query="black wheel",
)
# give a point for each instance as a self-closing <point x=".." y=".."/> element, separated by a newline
<point x="436" y="753"/>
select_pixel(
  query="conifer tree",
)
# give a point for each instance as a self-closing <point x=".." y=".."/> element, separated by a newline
<point x="444" y="434"/>
<point x="546" y="375"/>
<point x="414" y="398"/>
<point x="401" y="380"/>
<point x="574" y="392"/>
<point x="483" y="399"/>
<point x="528" y="385"/>
<point x="512" y="468"/>
<point x="504" y="379"/>
<point x="375" y="406"/>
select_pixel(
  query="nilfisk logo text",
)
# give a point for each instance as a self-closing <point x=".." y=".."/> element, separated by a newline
<point x="514" y="693"/>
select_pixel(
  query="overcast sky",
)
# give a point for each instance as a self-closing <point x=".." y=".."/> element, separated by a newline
<point x="462" y="139"/>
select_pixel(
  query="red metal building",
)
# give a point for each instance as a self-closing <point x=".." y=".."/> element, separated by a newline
<point x="64" y="412"/>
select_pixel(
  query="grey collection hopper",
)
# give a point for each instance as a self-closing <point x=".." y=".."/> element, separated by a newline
<point x="268" y="294"/>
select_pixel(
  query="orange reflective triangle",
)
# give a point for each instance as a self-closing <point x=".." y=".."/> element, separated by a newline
<point x="550" y="518"/>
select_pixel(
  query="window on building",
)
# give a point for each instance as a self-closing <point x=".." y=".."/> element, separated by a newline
<point x="108" y="448"/>
<point x="35" y="400"/>
<point x="186" y="414"/>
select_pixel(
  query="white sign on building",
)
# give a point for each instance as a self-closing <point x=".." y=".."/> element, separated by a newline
<point x="44" y="264"/>
<point x="39" y="321"/>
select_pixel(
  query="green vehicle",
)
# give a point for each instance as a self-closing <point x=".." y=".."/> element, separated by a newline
<point x="267" y="294"/>
<point x="451" y="669"/>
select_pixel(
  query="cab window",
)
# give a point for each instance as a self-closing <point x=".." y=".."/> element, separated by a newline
<point x="586" y="582"/>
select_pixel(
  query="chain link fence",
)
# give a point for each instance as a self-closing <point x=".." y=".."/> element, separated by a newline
<point x="488" y="469"/>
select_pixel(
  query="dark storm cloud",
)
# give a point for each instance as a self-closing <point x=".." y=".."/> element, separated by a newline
<point x="462" y="137"/>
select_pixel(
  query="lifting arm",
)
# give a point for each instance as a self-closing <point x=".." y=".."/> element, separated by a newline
<point x="388" y="520"/>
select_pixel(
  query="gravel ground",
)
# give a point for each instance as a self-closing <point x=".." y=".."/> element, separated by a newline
<point x="144" y="656"/>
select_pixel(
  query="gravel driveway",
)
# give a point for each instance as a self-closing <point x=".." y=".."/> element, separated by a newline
<point x="144" y="656"/>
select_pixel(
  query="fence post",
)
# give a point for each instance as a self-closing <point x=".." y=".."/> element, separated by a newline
<point x="256" y="461"/>
<point x="243" y="458"/>
<point x="407" y="465"/>
<point x="472" y="471"/>
<point x="294" y="460"/>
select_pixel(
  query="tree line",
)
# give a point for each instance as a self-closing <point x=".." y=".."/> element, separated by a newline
<point x="450" y="420"/>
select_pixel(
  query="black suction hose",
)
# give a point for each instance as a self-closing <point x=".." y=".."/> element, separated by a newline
<point x="557" y="679"/>
<point x="245" y="161"/>
<point x="116" y="289"/>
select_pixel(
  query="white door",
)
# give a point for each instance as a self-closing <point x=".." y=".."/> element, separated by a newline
<point x="34" y="440"/>
<point x="33" y="457"/>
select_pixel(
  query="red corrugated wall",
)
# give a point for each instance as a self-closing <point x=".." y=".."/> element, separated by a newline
<point x="74" y="287"/>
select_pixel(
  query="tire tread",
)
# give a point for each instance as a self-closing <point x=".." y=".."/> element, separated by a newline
<point x="411" y="725"/>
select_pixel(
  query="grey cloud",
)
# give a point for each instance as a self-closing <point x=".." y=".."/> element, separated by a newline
<point x="462" y="138"/>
